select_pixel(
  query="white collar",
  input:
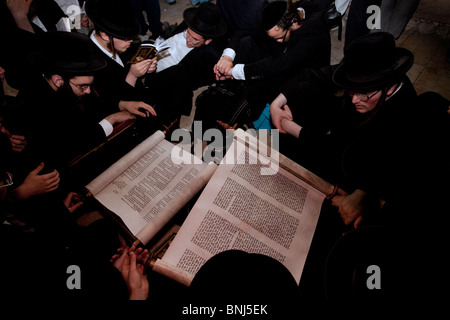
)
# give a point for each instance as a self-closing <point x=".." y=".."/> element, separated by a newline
<point x="109" y="54"/>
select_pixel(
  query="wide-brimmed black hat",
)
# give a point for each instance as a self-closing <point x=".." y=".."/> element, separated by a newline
<point x="114" y="17"/>
<point x="372" y="62"/>
<point x="273" y="13"/>
<point x="206" y="20"/>
<point x="66" y="53"/>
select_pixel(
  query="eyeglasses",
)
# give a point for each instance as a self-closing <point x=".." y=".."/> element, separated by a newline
<point x="364" y="97"/>
<point x="194" y="41"/>
<point x="82" y="87"/>
<point x="5" y="180"/>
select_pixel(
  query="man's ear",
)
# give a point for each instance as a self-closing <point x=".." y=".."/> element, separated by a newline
<point x="208" y="41"/>
<point x="57" y="80"/>
<point x="104" y="36"/>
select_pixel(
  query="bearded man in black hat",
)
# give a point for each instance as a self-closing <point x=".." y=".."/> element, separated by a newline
<point x="361" y="126"/>
<point x="62" y="115"/>
<point x="361" y="139"/>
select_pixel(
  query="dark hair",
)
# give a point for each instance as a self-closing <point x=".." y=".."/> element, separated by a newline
<point x="290" y="17"/>
<point x="111" y="40"/>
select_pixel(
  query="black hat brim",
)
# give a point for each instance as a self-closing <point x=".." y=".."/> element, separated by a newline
<point x="47" y="64"/>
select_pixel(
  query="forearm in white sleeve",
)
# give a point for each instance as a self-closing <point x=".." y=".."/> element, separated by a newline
<point x="238" y="72"/>
<point x="230" y="53"/>
<point x="107" y="127"/>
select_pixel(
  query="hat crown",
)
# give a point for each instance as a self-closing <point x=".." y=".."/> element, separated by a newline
<point x="66" y="53"/>
<point x="273" y="13"/>
<point x="207" y="16"/>
<point x="371" y="55"/>
<point x="372" y="62"/>
<point x="115" y="17"/>
<point x="206" y="20"/>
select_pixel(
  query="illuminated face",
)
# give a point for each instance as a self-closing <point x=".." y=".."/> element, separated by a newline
<point x="81" y="85"/>
<point x="279" y="34"/>
<point x="193" y="39"/>
<point x="365" y="102"/>
<point x="121" y="45"/>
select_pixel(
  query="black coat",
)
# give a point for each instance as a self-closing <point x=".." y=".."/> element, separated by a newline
<point x="348" y="148"/>
<point x="308" y="47"/>
<point x="56" y="127"/>
<point x="269" y="64"/>
<point x="111" y="84"/>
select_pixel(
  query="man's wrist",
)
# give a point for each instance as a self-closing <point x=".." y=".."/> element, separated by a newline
<point x="107" y="125"/>
<point x="228" y="53"/>
<point x="238" y="72"/>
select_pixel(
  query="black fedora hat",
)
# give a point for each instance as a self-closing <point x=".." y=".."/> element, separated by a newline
<point x="66" y="53"/>
<point x="114" y="17"/>
<point x="372" y="62"/>
<point x="206" y="20"/>
<point x="273" y="13"/>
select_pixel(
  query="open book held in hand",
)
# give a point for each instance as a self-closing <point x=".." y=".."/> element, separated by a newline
<point x="149" y="49"/>
<point x="255" y="200"/>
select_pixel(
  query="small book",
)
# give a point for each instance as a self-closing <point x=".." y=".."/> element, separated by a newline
<point x="149" y="49"/>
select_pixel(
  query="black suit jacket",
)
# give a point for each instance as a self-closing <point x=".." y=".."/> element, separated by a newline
<point x="308" y="47"/>
<point x="57" y="129"/>
<point x="110" y="82"/>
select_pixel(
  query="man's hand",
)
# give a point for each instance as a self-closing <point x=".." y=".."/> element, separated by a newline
<point x="73" y="201"/>
<point x="131" y="264"/>
<point x="279" y="110"/>
<point x="223" y="68"/>
<point x="350" y="206"/>
<point x="35" y="184"/>
<point x="119" y="117"/>
<point x="139" y="69"/>
<point x="138" y="108"/>
<point x="135" y="278"/>
<point x="18" y="142"/>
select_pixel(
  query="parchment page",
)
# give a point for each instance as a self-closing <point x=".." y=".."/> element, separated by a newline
<point x="96" y="185"/>
<point x="141" y="193"/>
<point x="275" y="215"/>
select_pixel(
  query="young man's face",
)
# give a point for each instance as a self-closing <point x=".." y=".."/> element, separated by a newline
<point x="81" y="85"/>
<point x="365" y="102"/>
<point x="121" y="45"/>
<point x="194" y="40"/>
<point x="279" y="34"/>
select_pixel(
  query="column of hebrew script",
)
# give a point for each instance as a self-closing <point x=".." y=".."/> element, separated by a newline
<point x="148" y="192"/>
<point x="240" y="208"/>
